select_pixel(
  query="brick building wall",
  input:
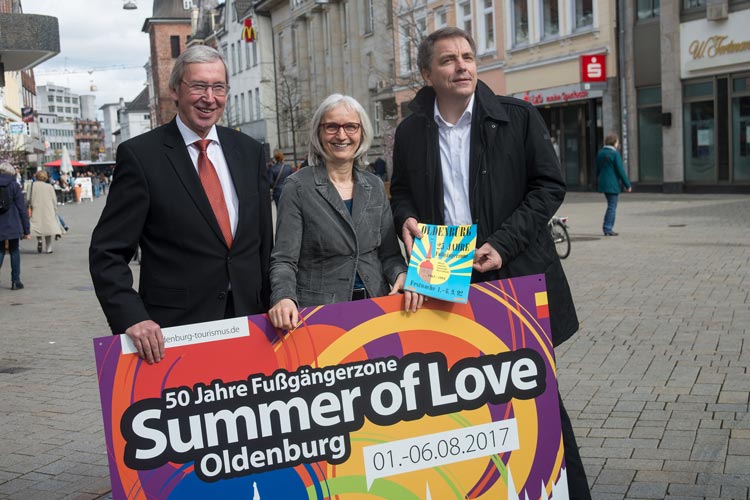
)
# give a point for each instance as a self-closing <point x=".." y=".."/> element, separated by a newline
<point x="162" y="60"/>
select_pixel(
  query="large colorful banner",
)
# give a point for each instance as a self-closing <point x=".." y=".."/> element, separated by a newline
<point x="362" y="400"/>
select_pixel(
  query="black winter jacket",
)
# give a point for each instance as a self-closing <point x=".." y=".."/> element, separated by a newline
<point x="515" y="187"/>
<point x="14" y="223"/>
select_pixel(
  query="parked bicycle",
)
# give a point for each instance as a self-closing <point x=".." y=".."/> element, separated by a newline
<point x="558" y="228"/>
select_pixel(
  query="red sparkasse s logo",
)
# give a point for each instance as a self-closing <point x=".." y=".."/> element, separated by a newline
<point x="594" y="68"/>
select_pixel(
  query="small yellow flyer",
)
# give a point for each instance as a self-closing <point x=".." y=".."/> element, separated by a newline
<point x="441" y="262"/>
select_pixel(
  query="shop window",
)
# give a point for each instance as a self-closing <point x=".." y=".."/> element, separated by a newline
<point x="646" y="9"/>
<point x="550" y="18"/>
<point x="700" y="132"/>
<point x="520" y="22"/>
<point x="650" y="165"/>
<point x="583" y="14"/>
<point x="741" y="128"/>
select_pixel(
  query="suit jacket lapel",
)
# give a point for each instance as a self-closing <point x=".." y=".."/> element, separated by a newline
<point x="234" y="159"/>
<point x="179" y="158"/>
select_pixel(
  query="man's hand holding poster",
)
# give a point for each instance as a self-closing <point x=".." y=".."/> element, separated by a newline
<point x="362" y="400"/>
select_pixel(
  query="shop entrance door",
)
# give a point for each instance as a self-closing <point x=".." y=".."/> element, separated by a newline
<point x="567" y="125"/>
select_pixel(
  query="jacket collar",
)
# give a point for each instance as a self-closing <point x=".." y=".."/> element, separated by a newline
<point x="485" y="104"/>
<point x="361" y="195"/>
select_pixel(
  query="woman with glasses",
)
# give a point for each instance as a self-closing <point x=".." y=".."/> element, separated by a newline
<point x="335" y="239"/>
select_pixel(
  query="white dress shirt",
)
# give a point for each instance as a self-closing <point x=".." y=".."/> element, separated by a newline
<point x="216" y="155"/>
<point x="455" y="145"/>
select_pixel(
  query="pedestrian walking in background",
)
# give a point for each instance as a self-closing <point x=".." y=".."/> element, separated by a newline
<point x="277" y="174"/>
<point x="14" y="222"/>
<point x="510" y="190"/>
<point x="379" y="168"/>
<point x="44" y="221"/>
<point x="611" y="177"/>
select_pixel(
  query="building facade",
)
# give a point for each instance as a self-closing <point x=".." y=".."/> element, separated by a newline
<point x="89" y="138"/>
<point x="689" y="96"/>
<point x="59" y="101"/>
<point x="134" y="118"/>
<point x="56" y="134"/>
<point x="551" y="49"/>
<point x="168" y="30"/>
<point x="321" y="48"/>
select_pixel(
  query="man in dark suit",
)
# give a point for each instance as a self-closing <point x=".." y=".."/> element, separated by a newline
<point x="468" y="156"/>
<point x="194" y="196"/>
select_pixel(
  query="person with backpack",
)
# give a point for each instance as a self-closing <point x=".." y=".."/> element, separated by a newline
<point x="14" y="222"/>
<point x="277" y="174"/>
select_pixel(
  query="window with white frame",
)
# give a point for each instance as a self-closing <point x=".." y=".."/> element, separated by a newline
<point x="234" y="59"/>
<point x="255" y="52"/>
<point x="441" y="19"/>
<point x="550" y="18"/>
<point x="520" y="22"/>
<point x="251" y="116"/>
<point x="345" y="23"/>
<point x="326" y="32"/>
<point x="486" y="27"/>
<point x="369" y="16"/>
<point x="239" y="56"/>
<point x="463" y="16"/>
<point x="294" y="44"/>
<point x="242" y="107"/>
<point x="281" y="48"/>
<point x="258" y="113"/>
<point x="405" y="48"/>
<point x="583" y="14"/>
<point x="378" y="121"/>
<point x="247" y="54"/>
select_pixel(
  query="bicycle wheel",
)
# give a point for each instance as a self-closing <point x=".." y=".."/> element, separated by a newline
<point x="561" y="239"/>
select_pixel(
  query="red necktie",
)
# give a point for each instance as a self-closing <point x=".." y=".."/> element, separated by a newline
<point x="212" y="186"/>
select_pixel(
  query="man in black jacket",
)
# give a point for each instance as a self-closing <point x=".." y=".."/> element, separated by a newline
<point x="466" y="155"/>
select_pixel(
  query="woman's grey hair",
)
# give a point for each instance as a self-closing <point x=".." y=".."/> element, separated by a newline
<point x="7" y="169"/>
<point x="317" y="153"/>
<point x="192" y="55"/>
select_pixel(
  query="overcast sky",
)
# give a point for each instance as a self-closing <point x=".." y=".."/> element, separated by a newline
<point x="100" y="44"/>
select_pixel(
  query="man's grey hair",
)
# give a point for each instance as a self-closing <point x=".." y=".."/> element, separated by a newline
<point x="192" y="55"/>
<point x="317" y="153"/>
<point x="427" y="45"/>
<point x="7" y="169"/>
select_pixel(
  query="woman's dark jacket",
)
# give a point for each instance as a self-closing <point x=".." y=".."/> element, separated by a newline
<point x="515" y="187"/>
<point x="14" y="223"/>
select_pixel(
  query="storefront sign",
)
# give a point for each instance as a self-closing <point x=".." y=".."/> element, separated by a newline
<point x="361" y="399"/>
<point x="707" y="46"/>
<point x="558" y="95"/>
<point x="594" y="68"/>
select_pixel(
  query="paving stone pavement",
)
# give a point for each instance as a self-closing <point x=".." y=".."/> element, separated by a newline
<point x="656" y="380"/>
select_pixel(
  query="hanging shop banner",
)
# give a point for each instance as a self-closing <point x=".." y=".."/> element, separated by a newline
<point x="362" y="400"/>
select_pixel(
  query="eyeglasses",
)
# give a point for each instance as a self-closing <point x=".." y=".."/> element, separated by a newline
<point x="333" y="128"/>
<point x="199" y="88"/>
